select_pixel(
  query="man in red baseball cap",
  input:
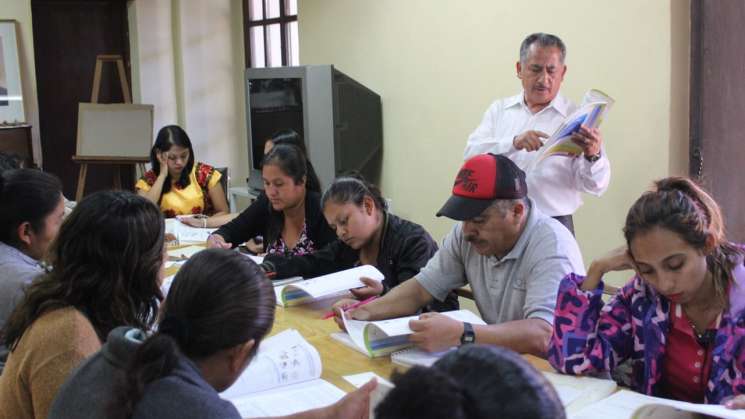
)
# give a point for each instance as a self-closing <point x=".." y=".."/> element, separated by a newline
<point x="512" y="255"/>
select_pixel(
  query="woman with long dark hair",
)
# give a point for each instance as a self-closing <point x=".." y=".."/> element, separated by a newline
<point x="107" y="260"/>
<point x="217" y="312"/>
<point x="678" y="322"/>
<point x="179" y="184"/>
<point x="367" y="234"/>
<point x="288" y="214"/>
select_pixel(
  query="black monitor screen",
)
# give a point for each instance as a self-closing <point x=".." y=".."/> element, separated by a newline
<point x="276" y="104"/>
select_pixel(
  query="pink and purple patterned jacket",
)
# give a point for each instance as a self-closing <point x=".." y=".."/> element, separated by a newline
<point x="591" y="337"/>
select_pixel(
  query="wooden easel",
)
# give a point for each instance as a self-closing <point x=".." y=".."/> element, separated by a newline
<point x="117" y="162"/>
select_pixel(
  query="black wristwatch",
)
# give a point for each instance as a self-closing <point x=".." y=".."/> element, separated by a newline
<point x="468" y="336"/>
<point x="593" y="159"/>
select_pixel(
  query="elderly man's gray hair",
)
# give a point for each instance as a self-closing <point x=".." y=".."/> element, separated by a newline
<point x="503" y="206"/>
<point x="544" y="40"/>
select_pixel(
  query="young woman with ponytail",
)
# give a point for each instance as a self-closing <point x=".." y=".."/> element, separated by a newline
<point x="472" y="382"/>
<point x="218" y="310"/>
<point x="367" y="234"/>
<point x="287" y="215"/>
<point x="679" y="321"/>
<point x="107" y="266"/>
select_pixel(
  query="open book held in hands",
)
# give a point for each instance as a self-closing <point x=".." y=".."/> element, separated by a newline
<point x="382" y="337"/>
<point x="595" y="104"/>
<point x="283" y="378"/>
<point x="303" y="292"/>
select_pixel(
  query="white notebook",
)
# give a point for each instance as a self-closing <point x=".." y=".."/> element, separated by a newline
<point x="382" y="337"/>
<point x="304" y="292"/>
<point x="626" y="404"/>
<point x="282" y="379"/>
<point x="577" y="392"/>
<point x="186" y="233"/>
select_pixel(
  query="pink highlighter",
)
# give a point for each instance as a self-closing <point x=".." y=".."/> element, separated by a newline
<point x="330" y="314"/>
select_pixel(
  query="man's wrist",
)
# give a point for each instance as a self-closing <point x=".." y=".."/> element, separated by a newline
<point x="468" y="335"/>
<point x="592" y="158"/>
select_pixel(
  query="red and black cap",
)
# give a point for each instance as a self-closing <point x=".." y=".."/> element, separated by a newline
<point x="481" y="180"/>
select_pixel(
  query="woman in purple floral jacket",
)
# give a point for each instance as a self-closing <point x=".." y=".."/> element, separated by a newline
<point x="680" y="321"/>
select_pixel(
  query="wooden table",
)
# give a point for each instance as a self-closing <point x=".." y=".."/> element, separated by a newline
<point x="339" y="360"/>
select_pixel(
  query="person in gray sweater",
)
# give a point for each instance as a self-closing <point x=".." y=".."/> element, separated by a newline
<point x="209" y="331"/>
<point x="31" y="212"/>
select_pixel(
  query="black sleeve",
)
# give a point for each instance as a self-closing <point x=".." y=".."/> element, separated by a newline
<point x="333" y="257"/>
<point x="318" y="229"/>
<point x="250" y="223"/>
<point x="416" y="251"/>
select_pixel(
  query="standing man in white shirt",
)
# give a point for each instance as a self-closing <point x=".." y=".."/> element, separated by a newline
<point x="517" y="126"/>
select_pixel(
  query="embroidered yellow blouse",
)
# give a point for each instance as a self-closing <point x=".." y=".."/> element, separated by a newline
<point x="193" y="199"/>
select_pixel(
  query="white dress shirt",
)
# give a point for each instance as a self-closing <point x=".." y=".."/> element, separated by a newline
<point x="556" y="183"/>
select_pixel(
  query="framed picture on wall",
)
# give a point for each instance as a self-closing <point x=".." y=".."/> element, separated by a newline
<point x="11" y="94"/>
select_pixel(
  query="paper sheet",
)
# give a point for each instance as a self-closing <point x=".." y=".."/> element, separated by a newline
<point x="359" y="380"/>
<point x="627" y="404"/>
<point x="577" y="392"/>
<point x="185" y="252"/>
<point x="288" y="400"/>
<point x="166" y="285"/>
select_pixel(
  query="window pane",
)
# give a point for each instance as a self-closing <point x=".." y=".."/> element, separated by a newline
<point x="272" y="8"/>
<point x="257" y="47"/>
<point x="274" y="45"/>
<point x="255" y="9"/>
<point x="290" y="7"/>
<point x="294" y="44"/>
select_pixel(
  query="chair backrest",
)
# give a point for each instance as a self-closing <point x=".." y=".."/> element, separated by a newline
<point x="224" y="181"/>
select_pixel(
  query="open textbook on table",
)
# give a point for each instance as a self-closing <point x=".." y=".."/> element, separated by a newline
<point x="282" y="379"/>
<point x="588" y="397"/>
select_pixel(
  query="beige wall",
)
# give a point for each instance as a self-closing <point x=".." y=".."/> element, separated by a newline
<point x="20" y="10"/>
<point x="187" y="60"/>
<point x="438" y="64"/>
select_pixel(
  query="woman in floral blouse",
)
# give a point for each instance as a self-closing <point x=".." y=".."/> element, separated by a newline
<point x="178" y="184"/>
<point x="288" y="214"/>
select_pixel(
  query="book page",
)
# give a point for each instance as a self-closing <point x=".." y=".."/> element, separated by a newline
<point x="258" y="259"/>
<point x="400" y="326"/>
<point x="288" y="400"/>
<point x="356" y="331"/>
<point x="415" y="356"/>
<point x="337" y="281"/>
<point x="595" y="105"/>
<point x="385" y="336"/>
<point x="185" y="252"/>
<point x="283" y="359"/>
<point x="186" y="233"/>
<point x="627" y="404"/>
<point x="166" y="284"/>
<point x="384" y="386"/>
<point x="577" y="392"/>
<point x="344" y="338"/>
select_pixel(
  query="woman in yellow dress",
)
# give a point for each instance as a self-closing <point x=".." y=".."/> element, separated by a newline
<point x="178" y="184"/>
